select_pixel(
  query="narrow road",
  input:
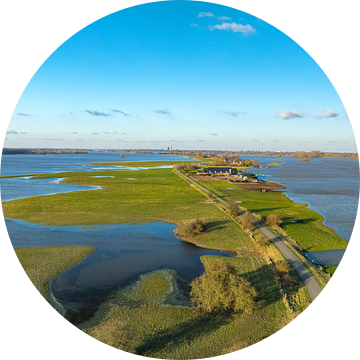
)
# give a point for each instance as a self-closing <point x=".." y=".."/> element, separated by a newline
<point x="311" y="284"/>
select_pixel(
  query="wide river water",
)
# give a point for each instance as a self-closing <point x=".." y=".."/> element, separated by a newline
<point x="329" y="186"/>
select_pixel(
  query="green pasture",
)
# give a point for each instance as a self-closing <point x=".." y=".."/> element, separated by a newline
<point x="308" y="231"/>
<point x="155" y="195"/>
<point x="42" y="264"/>
<point x="175" y="332"/>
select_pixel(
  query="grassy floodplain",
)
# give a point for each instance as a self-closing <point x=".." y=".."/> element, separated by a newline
<point x="308" y="233"/>
<point x="152" y="329"/>
<point x="42" y="264"/>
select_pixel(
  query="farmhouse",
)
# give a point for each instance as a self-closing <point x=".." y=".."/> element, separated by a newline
<point x="221" y="170"/>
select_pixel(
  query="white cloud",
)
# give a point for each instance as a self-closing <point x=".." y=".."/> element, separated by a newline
<point x="326" y="114"/>
<point x="287" y="114"/>
<point x="245" y="29"/>
<point x="206" y="14"/>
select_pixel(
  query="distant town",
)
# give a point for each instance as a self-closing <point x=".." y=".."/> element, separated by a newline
<point x="302" y="155"/>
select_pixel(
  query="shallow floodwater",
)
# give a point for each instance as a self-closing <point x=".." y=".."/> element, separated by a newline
<point x="124" y="253"/>
<point x="328" y="186"/>
<point x="21" y="187"/>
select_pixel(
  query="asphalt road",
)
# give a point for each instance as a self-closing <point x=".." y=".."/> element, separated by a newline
<point x="311" y="284"/>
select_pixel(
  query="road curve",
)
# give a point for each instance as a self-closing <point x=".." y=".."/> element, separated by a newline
<point x="311" y="284"/>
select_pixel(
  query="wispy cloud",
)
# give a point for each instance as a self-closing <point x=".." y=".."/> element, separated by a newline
<point x="23" y="114"/>
<point x="224" y="18"/>
<point x="237" y="28"/>
<point x="205" y="14"/>
<point x="176" y="141"/>
<point x="74" y="132"/>
<point x="122" y="141"/>
<point x="106" y="132"/>
<point x="213" y="134"/>
<point x="232" y="113"/>
<point x="50" y="139"/>
<point x="287" y="114"/>
<point x="13" y="132"/>
<point x="120" y="112"/>
<point x="201" y="141"/>
<point x="164" y="111"/>
<point x="97" y="113"/>
<point x="326" y="113"/>
<point x="94" y="133"/>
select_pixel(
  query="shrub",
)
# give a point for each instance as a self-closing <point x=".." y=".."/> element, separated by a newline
<point x="273" y="219"/>
<point x="209" y="196"/>
<point x="193" y="228"/>
<point x="283" y="274"/>
<point x="262" y="240"/>
<point x="233" y="208"/>
<point x="247" y="220"/>
<point x="220" y="289"/>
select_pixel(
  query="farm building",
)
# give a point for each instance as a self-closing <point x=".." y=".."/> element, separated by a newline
<point x="221" y="170"/>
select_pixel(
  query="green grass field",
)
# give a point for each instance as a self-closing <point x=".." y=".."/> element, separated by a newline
<point x="42" y="264"/>
<point x="157" y="194"/>
<point x="137" y="319"/>
<point x="153" y="330"/>
<point x="309" y="231"/>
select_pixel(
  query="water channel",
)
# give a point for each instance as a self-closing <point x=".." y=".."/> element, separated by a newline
<point x="124" y="252"/>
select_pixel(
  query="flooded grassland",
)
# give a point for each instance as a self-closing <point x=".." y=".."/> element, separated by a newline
<point x="126" y="303"/>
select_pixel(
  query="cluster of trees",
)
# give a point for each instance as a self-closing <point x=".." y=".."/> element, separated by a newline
<point x="306" y="154"/>
<point x="188" y="167"/>
<point x="142" y="152"/>
<point x="221" y="289"/>
<point x="235" y="160"/>
<point x="14" y="151"/>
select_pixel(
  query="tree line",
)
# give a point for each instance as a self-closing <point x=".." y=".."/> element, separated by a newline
<point x="14" y="151"/>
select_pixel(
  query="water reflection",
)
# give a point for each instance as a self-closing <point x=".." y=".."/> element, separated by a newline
<point x="124" y="253"/>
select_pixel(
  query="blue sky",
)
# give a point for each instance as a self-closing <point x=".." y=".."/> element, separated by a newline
<point x="189" y="75"/>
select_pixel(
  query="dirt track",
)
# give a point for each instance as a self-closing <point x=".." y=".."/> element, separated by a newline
<point x="244" y="185"/>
